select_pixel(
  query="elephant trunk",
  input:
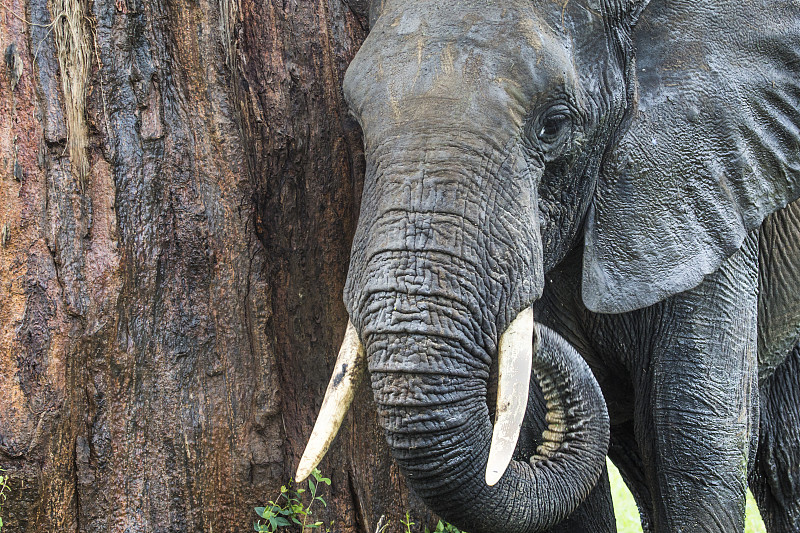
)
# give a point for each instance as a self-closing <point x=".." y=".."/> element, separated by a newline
<point x="438" y="273"/>
<point x="439" y="430"/>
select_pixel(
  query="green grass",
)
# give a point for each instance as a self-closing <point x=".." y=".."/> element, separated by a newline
<point x="628" y="514"/>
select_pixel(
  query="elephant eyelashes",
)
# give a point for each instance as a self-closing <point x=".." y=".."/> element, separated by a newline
<point x="553" y="129"/>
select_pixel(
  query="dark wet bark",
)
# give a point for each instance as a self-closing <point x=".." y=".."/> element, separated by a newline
<point x="169" y="312"/>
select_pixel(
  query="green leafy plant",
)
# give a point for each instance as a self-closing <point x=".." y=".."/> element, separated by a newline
<point x="4" y="490"/>
<point x="441" y="527"/>
<point x="407" y="522"/>
<point x="288" y="508"/>
<point x="444" y="527"/>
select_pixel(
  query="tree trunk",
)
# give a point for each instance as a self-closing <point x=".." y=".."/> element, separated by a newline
<point x="179" y="186"/>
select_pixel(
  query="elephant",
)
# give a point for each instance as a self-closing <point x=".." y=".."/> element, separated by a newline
<point x="579" y="236"/>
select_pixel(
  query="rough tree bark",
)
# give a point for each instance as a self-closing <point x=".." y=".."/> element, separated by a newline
<point x="179" y="185"/>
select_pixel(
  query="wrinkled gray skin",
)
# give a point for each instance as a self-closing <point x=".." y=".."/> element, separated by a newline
<point x="625" y="169"/>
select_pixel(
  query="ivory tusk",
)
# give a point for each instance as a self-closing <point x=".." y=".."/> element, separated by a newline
<point x="514" y="360"/>
<point x="347" y="374"/>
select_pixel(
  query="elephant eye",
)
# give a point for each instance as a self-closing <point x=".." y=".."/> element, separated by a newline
<point x="553" y="128"/>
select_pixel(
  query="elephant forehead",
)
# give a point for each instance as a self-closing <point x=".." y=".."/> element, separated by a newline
<point x="463" y="64"/>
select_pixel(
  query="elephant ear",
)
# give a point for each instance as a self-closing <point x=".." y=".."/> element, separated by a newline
<point x="713" y="148"/>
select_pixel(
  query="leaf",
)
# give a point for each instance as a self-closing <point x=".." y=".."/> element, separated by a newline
<point x="323" y="501"/>
<point x="260" y="511"/>
<point x="312" y="485"/>
<point x="281" y="521"/>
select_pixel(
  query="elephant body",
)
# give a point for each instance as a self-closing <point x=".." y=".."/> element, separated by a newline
<point x="681" y="437"/>
<point x="627" y="170"/>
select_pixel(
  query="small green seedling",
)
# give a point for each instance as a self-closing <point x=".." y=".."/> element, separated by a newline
<point x="288" y="508"/>
<point x="443" y="527"/>
<point x="407" y="522"/>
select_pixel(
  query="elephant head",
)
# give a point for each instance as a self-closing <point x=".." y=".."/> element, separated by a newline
<point x="481" y="121"/>
<point x="486" y="124"/>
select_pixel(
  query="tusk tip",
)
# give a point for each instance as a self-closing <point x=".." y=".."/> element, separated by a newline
<point x="305" y="467"/>
<point x="303" y="471"/>
<point x="493" y="476"/>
